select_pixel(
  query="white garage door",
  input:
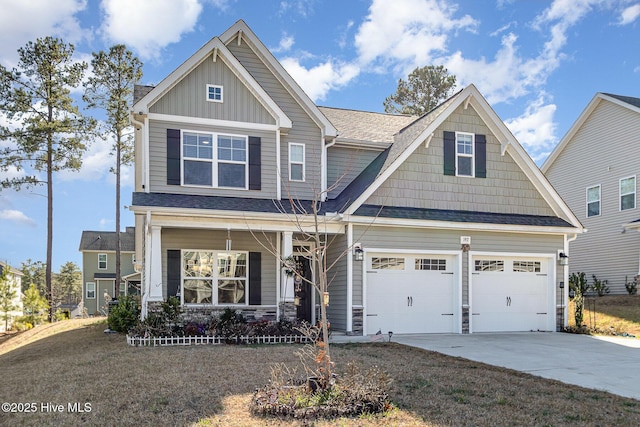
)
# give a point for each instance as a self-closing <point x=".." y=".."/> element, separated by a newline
<point x="411" y="293"/>
<point x="510" y="294"/>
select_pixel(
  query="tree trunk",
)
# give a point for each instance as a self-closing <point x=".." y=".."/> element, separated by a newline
<point x="118" y="272"/>
<point x="48" y="275"/>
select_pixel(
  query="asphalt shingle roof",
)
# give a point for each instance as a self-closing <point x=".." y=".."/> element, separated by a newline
<point x="628" y="99"/>
<point x="106" y="240"/>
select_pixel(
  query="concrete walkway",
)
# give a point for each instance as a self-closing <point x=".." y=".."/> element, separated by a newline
<point x="604" y="363"/>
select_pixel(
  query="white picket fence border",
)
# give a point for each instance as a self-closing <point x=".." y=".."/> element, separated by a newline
<point x="203" y="340"/>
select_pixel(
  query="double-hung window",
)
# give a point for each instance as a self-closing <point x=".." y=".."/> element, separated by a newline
<point x="464" y="154"/>
<point x="214" y="277"/>
<point x="593" y="201"/>
<point x="91" y="290"/>
<point x="628" y="193"/>
<point x="296" y="162"/>
<point x="102" y="261"/>
<point x="214" y="160"/>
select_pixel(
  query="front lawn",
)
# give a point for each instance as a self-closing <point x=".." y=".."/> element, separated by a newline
<point x="610" y="314"/>
<point x="213" y="385"/>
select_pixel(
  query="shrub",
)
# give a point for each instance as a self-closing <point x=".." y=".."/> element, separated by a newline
<point x="600" y="286"/>
<point x="631" y="286"/>
<point x="578" y="284"/>
<point x="125" y="315"/>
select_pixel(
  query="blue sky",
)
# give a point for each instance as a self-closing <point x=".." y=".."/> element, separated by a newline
<point x="538" y="63"/>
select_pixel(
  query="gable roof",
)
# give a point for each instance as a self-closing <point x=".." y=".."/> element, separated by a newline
<point x="219" y="50"/>
<point x="421" y="131"/>
<point x="627" y="102"/>
<point x="105" y="241"/>
<point x="245" y="34"/>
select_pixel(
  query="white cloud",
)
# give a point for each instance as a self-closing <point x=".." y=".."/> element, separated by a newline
<point x="96" y="162"/>
<point x="535" y="129"/>
<point x="149" y="29"/>
<point x="17" y="217"/>
<point x="319" y="80"/>
<point x="407" y="33"/>
<point x="23" y="21"/>
<point x="630" y="14"/>
<point x="286" y="42"/>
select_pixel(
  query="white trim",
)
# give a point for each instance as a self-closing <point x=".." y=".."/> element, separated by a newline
<point x="626" y="194"/>
<point x="170" y="118"/>
<point x="210" y="86"/>
<point x="303" y="163"/>
<point x="234" y="65"/>
<point x="552" y="282"/>
<point x="350" y="277"/>
<point x="586" y="113"/>
<point x="586" y="205"/>
<point x="506" y="139"/>
<point x="278" y="166"/>
<point x="249" y="37"/>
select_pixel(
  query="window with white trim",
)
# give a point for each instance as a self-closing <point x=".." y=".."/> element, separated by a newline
<point x="102" y="261"/>
<point x="91" y="290"/>
<point x="593" y="201"/>
<point x="628" y="193"/>
<point x="214" y="277"/>
<point x="296" y="161"/>
<point x="464" y="154"/>
<point x="214" y="160"/>
<point x="214" y="93"/>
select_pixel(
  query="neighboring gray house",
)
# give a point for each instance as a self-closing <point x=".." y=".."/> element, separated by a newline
<point x="595" y="168"/>
<point x="457" y="228"/>
<point x="14" y="277"/>
<point x="99" y="268"/>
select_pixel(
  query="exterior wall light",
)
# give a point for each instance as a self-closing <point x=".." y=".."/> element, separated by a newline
<point x="563" y="259"/>
<point x="358" y="253"/>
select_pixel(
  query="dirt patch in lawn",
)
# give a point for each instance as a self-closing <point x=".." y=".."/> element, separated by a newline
<point x="213" y="385"/>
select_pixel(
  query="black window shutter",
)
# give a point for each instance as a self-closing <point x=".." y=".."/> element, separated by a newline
<point x="481" y="156"/>
<point x="255" y="174"/>
<point x="449" y="153"/>
<point x="255" y="276"/>
<point x="174" y="265"/>
<point x="173" y="156"/>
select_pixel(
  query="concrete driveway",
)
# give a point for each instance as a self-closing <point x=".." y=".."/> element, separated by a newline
<point x="604" y="363"/>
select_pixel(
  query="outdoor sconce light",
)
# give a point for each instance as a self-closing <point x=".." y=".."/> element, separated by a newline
<point x="390" y="334"/>
<point x="358" y="253"/>
<point x="563" y="259"/>
<point x="325" y="298"/>
<point x="296" y="301"/>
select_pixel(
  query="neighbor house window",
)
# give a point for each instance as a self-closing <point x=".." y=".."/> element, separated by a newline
<point x="214" y="277"/>
<point x="593" y="201"/>
<point x="464" y="154"/>
<point x="296" y="162"/>
<point x="91" y="290"/>
<point x="214" y="160"/>
<point x="628" y="193"/>
<point x="102" y="261"/>
<point x="214" y="93"/>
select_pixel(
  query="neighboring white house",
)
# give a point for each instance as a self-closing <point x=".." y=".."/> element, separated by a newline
<point x="447" y="224"/>
<point x="15" y="279"/>
<point x="595" y="168"/>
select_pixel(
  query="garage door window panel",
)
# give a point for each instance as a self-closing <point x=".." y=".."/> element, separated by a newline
<point x="387" y="263"/>
<point x="431" y="264"/>
<point x="489" y="265"/>
<point x="526" y="266"/>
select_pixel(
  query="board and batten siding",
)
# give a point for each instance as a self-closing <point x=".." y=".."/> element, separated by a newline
<point x="189" y="96"/>
<point x="602" y="152"/>
<point x="337" y="276"/>
<point x="214" y="240"/>
<point x="304" y="131"/>
<point x="158" y="162"/>
<point x="419" y="239"/>
<point x="420" y="182"/>
<point x="344" y="164"/>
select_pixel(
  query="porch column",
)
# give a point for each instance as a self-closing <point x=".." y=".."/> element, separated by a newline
<point x="155" y="273"/>
<point x="288" y="292"/>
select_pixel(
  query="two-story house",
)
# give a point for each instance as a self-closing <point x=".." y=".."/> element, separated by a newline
<point x="594" y="167"/>
<point x="446" y="223"/>
<point x="99" y="268"/>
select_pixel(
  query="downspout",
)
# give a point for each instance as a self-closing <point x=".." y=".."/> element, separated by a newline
<point x="565" y="278"/>
<point x="145" y="156"/>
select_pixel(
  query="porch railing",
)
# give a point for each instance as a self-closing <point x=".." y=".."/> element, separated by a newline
<point x="203" y="340"/>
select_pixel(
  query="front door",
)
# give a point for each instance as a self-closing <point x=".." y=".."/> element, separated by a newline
<point x="303" y="288"/>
